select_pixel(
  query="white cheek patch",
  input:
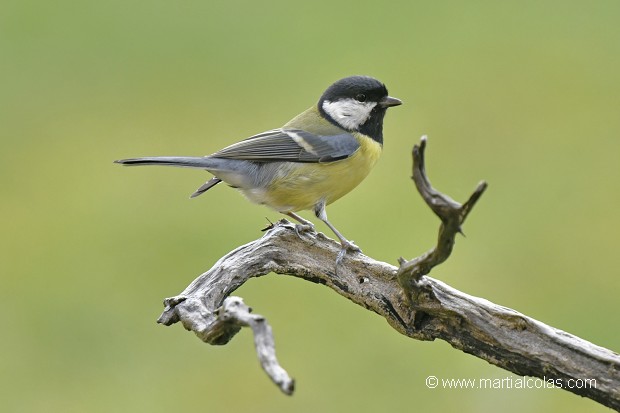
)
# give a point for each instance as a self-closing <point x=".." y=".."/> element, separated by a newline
<point x="349" y="113"/>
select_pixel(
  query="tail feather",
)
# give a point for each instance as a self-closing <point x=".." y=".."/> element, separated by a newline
<point x="180" y="161"/>
<point x="206" y="186"/>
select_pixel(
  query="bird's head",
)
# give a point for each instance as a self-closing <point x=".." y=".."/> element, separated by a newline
<point x="357" y="103"/>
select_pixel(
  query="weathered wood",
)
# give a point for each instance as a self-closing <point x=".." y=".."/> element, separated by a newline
<point x="414" y="304"/>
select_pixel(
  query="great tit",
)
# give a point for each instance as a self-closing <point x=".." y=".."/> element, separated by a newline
<point x="310" y="162"/>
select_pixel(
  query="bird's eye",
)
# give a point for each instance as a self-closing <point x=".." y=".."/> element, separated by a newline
<point x="360" y="97"/>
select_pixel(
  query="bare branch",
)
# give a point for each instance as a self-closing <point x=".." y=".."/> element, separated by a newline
<point x="452" y="215"/>
<point x="234" y="311"/>
<point x="414" y="304"/>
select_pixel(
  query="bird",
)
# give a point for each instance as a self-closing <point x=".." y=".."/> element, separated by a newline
<point x="313" y="160"/>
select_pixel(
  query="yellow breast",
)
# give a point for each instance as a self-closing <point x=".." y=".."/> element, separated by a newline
<point x="301" y="186"/>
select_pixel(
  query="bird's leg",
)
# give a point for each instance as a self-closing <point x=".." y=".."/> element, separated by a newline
<point x="320" y="212"/>
<point x="303" y="226"/>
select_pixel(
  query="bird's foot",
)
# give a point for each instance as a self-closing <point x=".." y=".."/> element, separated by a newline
<point x="347" y="246"/>
<point x="303" y="228"/>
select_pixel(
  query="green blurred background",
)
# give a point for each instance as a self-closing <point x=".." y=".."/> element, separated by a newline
<point x="523" y="94"/>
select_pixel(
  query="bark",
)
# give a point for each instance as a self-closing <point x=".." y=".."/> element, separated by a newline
<point x="413" y="303"/>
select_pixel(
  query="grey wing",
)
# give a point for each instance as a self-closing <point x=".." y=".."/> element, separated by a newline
<point x="292" y="145"/>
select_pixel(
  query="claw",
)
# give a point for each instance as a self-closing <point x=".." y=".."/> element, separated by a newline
<point x="340" y="256"/>
<point x="346" y="247"/>
<point x="301" y="228"/>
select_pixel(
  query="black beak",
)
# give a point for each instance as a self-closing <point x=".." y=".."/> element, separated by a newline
<point x="389" y="101"/>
